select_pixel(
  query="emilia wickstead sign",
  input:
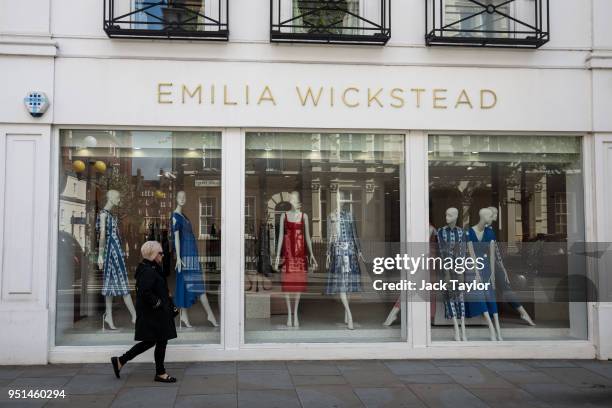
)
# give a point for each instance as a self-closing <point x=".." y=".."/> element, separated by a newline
<point x="318" y="96"/>
<point x="326" y="96"/>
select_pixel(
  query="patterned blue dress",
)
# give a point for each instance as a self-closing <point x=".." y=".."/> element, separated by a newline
<point x="507" y="292"/>
<point x="451" y="242"/>
<point x="115" y="273"/>
<point x="343" y="249"/>
<point x="190" y="281"/>
<point x="480" y="301"/>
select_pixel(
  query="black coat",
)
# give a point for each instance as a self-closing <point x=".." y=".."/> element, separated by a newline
<point x="154" y="317"/>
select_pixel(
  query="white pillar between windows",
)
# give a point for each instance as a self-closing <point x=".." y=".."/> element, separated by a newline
<point x="232" y="242"/>
<point x="417" y="199"/>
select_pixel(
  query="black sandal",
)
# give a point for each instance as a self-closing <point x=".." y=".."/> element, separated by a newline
<point x="168" y="379"/>
<point x="116" y="369"/>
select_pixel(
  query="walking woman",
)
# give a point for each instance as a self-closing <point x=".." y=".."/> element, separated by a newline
<point x="155" y="312"/>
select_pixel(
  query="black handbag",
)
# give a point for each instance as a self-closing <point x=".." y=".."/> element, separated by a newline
<point x="175" y="310"/>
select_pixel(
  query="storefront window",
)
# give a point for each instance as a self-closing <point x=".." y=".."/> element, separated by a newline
<point x="117" y="190"/>
<point x="517" y="202"/>
<point x="318" y="208"/>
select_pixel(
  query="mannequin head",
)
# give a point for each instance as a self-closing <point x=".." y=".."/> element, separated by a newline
<point x="294" y="200"/>
<point x="494" y="211"/>
<point x="451" y="216"/>
<point x="113" y="197"/>
<point x="486" y="216"/>
<point x="181" y="198"/>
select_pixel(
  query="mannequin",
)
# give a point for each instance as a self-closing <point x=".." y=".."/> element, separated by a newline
<point x="481" y="244"/>
<point x="342" y="261"/>
<point x="505" y="283"/>
<point x="111" y="260"/>
<point x="189" y="277"/>
<point x="294" y="231"/>
<point x="451" y="241"/>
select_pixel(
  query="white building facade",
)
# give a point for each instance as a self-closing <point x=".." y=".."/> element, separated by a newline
<point x="287" y="124"/>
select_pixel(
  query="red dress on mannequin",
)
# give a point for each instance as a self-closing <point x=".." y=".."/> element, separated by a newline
<point x="293" y="274"/>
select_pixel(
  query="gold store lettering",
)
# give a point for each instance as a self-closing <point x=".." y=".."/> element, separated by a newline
<point x="321" y="96"/>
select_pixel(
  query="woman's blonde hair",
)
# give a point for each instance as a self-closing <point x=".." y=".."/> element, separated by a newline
<point x="150" y="249"/>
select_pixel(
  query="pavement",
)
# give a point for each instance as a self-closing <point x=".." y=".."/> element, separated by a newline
<point x="309" y="384"/>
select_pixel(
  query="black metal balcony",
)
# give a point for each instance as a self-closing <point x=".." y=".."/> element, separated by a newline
<point x="491" y="23"/>
<point x="330" y="21"/>
<point x="170" y="19"/>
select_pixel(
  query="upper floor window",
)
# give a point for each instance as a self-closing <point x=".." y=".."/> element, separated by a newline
<point x="500" y="23"/>
<point x="331" y="21"/>
<point x="187" y="19"/>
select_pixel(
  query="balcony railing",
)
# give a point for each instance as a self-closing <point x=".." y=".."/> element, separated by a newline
<point x="171" y="19"/>
<point x="493" y="23"/>
<point x="331" y="21"/>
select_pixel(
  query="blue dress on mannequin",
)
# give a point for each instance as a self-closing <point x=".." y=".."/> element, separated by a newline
<point x="190" y="281"/>
<point x="478" y="302"/>
<point x="115" y="273"/>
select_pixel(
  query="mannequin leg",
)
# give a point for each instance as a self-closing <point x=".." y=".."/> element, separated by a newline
<point x="127" y="299"/>
<point x="288" y="301"/>
<point x="490" y="324"/>
<point x="209" y="313"/>
<point x="497" y="328"/>
<point x="296" y="322"/>
<point x="525" y="316"/>
<point x="347" y="310"/>
<point x="392" y="316"/>
<point x="463" y="334"/>
<point x="108" y="314"/>
<point x="184" y="318"/>
<point x="456" y="329"/>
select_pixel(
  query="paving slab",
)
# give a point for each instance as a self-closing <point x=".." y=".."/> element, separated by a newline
<point x="53" y="370"/>
<point x="388" y="398"/>
<point x="361" y="365"/>
<point x="264" y="380"/>
<point x="579" y="377"/>
<point x="94" y="384"/>
<point x="9" y="372"/>
<point x="312" y="368"/>
<point x="208" y="384"/>
<point x="207" y="401"/>
<point x="224" y="367"/>
<point x="476" y="377"/>
<point x="506" y="366"/>
<point x="508" y="398"/>
<point x="146" y="378"/>
<point x="326" y="396"/>
<point x="372" y="378"/>
<point x="558" y="395"/>
<point x="412" y="367"/>
<point x="446" y="396"/>
<point x="551" y="363"/>
<point x="145" y="397"/>
<point x="261" y="365"/>
<point x="603" y="368"/>
<point x="84" y="401"/>
<point x="426" y="379"/>
<point x="318" y="380"/>
<point x="268" y="399"/>
<point x="527" y="377"/>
